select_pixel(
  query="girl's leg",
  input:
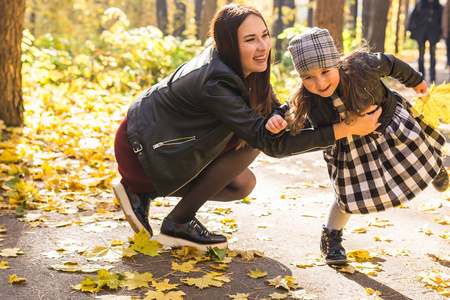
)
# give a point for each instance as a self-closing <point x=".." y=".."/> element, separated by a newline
<point x="336" y="219"/>
<point x="331" y="240"/>
<point x="226" y="178"/>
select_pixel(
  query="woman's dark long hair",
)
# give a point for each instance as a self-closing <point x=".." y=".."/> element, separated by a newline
<point x="353" y="89"/>
<point x="224" y="30"/>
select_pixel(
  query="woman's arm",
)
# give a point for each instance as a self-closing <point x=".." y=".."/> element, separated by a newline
<point x="363" y="125"/>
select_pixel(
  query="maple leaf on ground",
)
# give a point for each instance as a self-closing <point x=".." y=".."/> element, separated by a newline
<point x="11" y="252"/>
<point x="74" y="267"/>
<point x="437" y="280"/>
<point x="278" y="296"/>
<point x="164" y="285"/>
<point x="370" y="291"/>
<point x="216" y="253"/>
<point x="158" y="295"/>
<point x="379" y="223"/>
<point x="108" y="279"/>
<point x="135" y="280"/>
<point x="104" y="253"/>
<point x="141" y="244"/>
<point x="203" y="282"/>
<point x="239" y="296"/>
<point x="256" y="273"/>
<point x="395" y="251"/>
<point x="15" y="279"/>
<point x="185" y="267"/>
<point x="220" y="267"/>
<point x="186" y="253"/>
<point x="287" y="282"/>
<point x="361" y="254"/>
<point x="245" y="254"/>
<point x="301" y="294"/>
<point x="4" y="265"/>
<point x="310" y="261"/>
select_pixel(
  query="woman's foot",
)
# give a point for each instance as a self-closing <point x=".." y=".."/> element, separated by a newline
<point x="135" y="208"/>
<point x="441" y="182"/>
<point x="331" y="247"/>
<point x="191" y="233"/>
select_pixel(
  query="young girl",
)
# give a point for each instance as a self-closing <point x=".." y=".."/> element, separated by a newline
<point x="369" y="173"/>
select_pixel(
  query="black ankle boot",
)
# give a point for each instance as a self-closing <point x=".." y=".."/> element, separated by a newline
<point x="191" y="233"/>
<point x="135" y="208"/>
<point x="331" y="247"/>
<point x="441" y="182"/>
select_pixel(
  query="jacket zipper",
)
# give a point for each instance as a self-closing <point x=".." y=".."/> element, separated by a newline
<point x="176" y="141"/>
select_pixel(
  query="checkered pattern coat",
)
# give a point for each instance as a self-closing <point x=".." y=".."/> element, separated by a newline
<point x="371" y="175"/>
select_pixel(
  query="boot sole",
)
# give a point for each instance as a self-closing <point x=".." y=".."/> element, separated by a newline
<point x="170" y="241"/>
<point x="134" y="222"/>
<point x="336" y="262"/>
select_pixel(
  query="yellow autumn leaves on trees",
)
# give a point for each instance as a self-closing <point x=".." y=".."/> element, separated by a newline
<point x="435" y="105"/>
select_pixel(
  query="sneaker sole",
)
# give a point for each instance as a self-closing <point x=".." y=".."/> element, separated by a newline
<point x="134" y="222"/>
<point x="170" y="241"/>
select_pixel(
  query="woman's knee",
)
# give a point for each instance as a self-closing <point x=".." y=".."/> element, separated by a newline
<point x="246" y="184"/>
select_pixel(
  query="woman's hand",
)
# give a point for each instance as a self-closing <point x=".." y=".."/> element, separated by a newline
<point x="421" y="88"/>
<point x="364" y="125"/>
<point x="276" y="124"/>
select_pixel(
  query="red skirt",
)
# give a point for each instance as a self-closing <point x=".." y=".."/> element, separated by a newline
<point x="134" y="178"/>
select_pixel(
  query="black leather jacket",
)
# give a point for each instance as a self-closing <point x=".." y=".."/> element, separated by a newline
<point x="378" y="66"/>
<point x="178" y="126"/>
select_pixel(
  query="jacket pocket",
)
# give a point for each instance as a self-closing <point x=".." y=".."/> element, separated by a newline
<point x="176" y="141"/>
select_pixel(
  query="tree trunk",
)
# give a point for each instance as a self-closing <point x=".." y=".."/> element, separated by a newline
<point x="353" y="16"/>
<point x="209" y="9"/>
<point x="310" y="13"/>
<point x="179" y="19"/>
<point x="376" y="33"/>
<point x="366" y="17"/>
<point x="12" y="18"/>
<point x="405" y="22"/>
<point x="329" y="14"/>
<point x="161" y="13"/>
<point x="284" y="17"/>
<point x="198" y="17"/>
<point x="397" y="26"/>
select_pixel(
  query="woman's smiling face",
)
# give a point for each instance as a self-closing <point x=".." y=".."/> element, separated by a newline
<point x="322" y="82"/>
<point x="254" y="44"/>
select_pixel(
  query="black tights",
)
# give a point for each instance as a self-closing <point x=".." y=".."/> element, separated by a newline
<point x="226" y="178"/>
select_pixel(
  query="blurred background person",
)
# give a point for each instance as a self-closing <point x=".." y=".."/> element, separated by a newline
<point x="425" y="25"/>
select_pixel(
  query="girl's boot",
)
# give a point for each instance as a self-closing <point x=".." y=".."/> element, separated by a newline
<point x="331" y="247"/>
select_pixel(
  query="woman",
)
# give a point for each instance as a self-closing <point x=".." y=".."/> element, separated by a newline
<point x="194" y="134"/>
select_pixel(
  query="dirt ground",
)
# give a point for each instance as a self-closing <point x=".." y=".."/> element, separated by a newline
<point x="283" y="219"/>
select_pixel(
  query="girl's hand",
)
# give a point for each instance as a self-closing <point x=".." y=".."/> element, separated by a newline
<point x="421" y="88"/>
<point x="276" y="124"/>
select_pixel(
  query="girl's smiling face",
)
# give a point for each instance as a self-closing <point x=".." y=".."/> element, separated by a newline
<point x="254" y="44"/>
<point x="322" y="82"/>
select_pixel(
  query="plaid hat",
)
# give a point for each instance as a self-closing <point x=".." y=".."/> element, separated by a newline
<point x="313" y="49"/>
